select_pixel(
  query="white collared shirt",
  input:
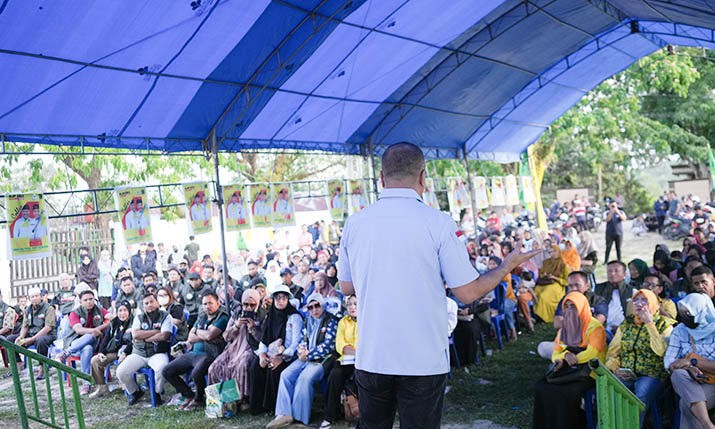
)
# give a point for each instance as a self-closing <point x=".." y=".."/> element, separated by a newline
<point x="398" y="253"/>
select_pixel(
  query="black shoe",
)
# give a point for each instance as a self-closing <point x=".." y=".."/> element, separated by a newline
<point x="158" y="400"/>
<point x="40" y="377"/>
<point x="135" y="397"/>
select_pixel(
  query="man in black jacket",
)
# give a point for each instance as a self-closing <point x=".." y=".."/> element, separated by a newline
<point x="617" y="294"/>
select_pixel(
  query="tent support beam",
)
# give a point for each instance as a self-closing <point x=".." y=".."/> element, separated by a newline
<point x="372" y="168"/>
<point x="471" y="189"/>
<point x="219" y="204"/>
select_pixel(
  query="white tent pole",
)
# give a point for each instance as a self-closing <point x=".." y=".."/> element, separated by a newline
<point x="471" y="191"/>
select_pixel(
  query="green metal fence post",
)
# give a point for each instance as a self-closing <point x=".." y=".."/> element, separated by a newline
<point x="618" y="407"/>
<point x="49" y="392"/>
<point x="18" y="390"/>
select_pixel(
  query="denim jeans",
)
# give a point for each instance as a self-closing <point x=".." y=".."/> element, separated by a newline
<point x="295" y="391"/>
<point x="646" y="389"/>
<point x="509" y="307"/>
<point x="84" y="345"/>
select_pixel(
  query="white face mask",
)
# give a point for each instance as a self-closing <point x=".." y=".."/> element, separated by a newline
<point x="163" y="301"/>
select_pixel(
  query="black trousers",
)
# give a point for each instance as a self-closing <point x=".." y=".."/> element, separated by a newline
<point x="466" y="340"/>
<point x="337" y="378"/>
<point x="42" y="343"/>
<point x="661" y="219"/>
<point x="198" y="365"/>
<point x="418" y="399"/>
<point x="264" y="387"/>
<point x="610" y="240"/>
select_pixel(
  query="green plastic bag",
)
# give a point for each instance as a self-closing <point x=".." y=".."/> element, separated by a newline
<point x="219" y="395"/>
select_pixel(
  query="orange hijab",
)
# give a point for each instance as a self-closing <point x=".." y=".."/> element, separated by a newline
<point x="653" y="305"/>
<point x="554" y="266"/>
<point x="573" y="332"/>
<point x="571" y="257"/>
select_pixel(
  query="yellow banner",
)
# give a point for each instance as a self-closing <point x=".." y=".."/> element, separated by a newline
<point x="133" y="211"/>
<point x="198" y="207"/>
<point x="28" y="229"/>
<point x="235" y="207"/>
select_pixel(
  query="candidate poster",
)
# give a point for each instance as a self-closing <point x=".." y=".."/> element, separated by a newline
<point x="527" y="188"/>
<point x="198" y="207"/>
<point x="358" y="198"/>
<point x="235" y="207"/>
<point x="260" y="200"/>
<point x="133" y="210"/>
<point x="27" y="226"/>
<point x="283" y="210"/>
<point x="337" y="200"/>
<point x="480" y="192"/>
<point x="498" y="193"/>
<point x="457" y="195"/>
<point x="428" y="196"/>
<point x="512" y="191"/>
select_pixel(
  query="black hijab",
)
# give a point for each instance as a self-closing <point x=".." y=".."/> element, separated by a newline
<point x="276" y="323"/>
<point x="332" y="280"/>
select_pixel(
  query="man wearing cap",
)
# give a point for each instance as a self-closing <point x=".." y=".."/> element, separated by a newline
<point x="38" y="327"/>
<point x="190" y="296"/>
<point x="88" y="321"/>
<point x="295" y="391"/>
<point x="403" y="358"/>
<point x="296" y="290"/>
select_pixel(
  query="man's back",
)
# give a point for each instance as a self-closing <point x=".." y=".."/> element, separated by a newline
<point x="396" y="252"/>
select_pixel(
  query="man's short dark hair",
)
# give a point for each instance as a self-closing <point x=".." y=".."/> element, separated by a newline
<point x="125" y="278"/>
<point x="147" y="295"/>
<point x="653" y="276"/>
<point x="702" y="270"/>
<point x="692" y="258"/>
<point x="191" y="237"/>
<point x="211" y="294"/>
<point x="618" y="263"/>
<point x="85" y="292"/>
<point x="208" y="266"/>
<point x="402" y="160"/>
<point x="252" y="263"/>
<point x="84" y="248"/>
<point x="583" y="275"/>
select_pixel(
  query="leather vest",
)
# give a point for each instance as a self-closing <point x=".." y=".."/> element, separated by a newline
<point x="97" y="320"/>
<point x="146" y="323"/>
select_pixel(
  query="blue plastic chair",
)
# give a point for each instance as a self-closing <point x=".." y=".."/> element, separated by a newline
<point x="497" y="320"/>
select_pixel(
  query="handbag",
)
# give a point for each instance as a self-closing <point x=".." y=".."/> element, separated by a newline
<point x="568" y="374"/>
<point x="350" y="405"/>
<point x="709" y="378"/>
<point x="219" y="395"/>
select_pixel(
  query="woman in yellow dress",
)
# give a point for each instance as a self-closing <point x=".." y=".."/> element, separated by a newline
<point x="551" y="286"/>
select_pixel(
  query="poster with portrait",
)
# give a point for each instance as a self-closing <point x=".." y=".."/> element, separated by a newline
<point x="480" y="192"/>
<point x="498" y="193"/>
<point x="428" y="196"/>
<point x="28" y="227"/>
<point x="337" y="200"/>
<point x="458" y="195"/>
<point x="132" y="207"/>
<point x="512" y="191"/>
<point x="358" y="195"/>
<point x="260" y="204"/>
<point x="235" y="207"/>
<point x="283" y="211"/>
<point x="527" y="188"/>
<point x="198" y="207"/>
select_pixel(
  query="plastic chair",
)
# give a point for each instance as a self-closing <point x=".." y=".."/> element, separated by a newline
<point x="497" y="320"/>
<point x="453" y="348"/>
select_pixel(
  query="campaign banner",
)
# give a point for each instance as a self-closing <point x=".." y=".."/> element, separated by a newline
<point x="28" y="231"/>
<point x="428" y="196"/>
<point x="198" y="207"/>
<point x="236" y="207"/>
<point x="337" y="199"/>
<point x="512" y="191"/>
<point x="358" y="200"/>
<point x="481" y="193"/>
<point x="498" y="194"/>
<point x="283" y="211"/>
<point x="132" y="207"/>
<point x="260" y="197"/>
<point x="458" y="195"/>
<point x="527" y="188"/>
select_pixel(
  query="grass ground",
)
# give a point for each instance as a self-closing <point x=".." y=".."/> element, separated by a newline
<point x="496" y="393"/>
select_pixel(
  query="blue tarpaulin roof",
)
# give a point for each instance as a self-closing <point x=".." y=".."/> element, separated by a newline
<point x="486" y="76"/>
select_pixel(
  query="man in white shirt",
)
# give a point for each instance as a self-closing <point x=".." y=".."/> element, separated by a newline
<point x="235" y="209"/>
<point x="261" y="207"/>
<point x="387" y="257"/>
<point x="283" y="207"/>
<point x="38" y="230"/>
<point x="23" y="225"/>
<point x="359" y="201"/>
<point x="616" y="292"/>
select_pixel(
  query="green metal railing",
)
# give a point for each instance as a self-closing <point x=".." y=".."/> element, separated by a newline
<point x="46" y="364"/>
<point x="618" y="407"/>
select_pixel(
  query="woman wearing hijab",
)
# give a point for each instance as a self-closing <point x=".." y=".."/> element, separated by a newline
<point x="551" y="285"/>
<point x="570" y="256"/>
<point x="588" y="252"/>
<point x="272" y="276"/>
<point x="580" y="339"/>
<point x="242" y="336"/>
<point x="279" y="342"/>
<point x="635" y="354"/>
<point x="639" y="270"/>
<point x="332" y="272"/>
<point x="321" y="285"/>
<point x="106" y="268"/>
<point x="539" y="259"/>
<point x="693" y="338"/>
<point x="663" y="267"/>
<point x="116" y="344"/>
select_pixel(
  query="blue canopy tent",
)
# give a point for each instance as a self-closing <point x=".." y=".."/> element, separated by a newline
<point x="479" y="79"/>
<point x="482" y="76"/>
